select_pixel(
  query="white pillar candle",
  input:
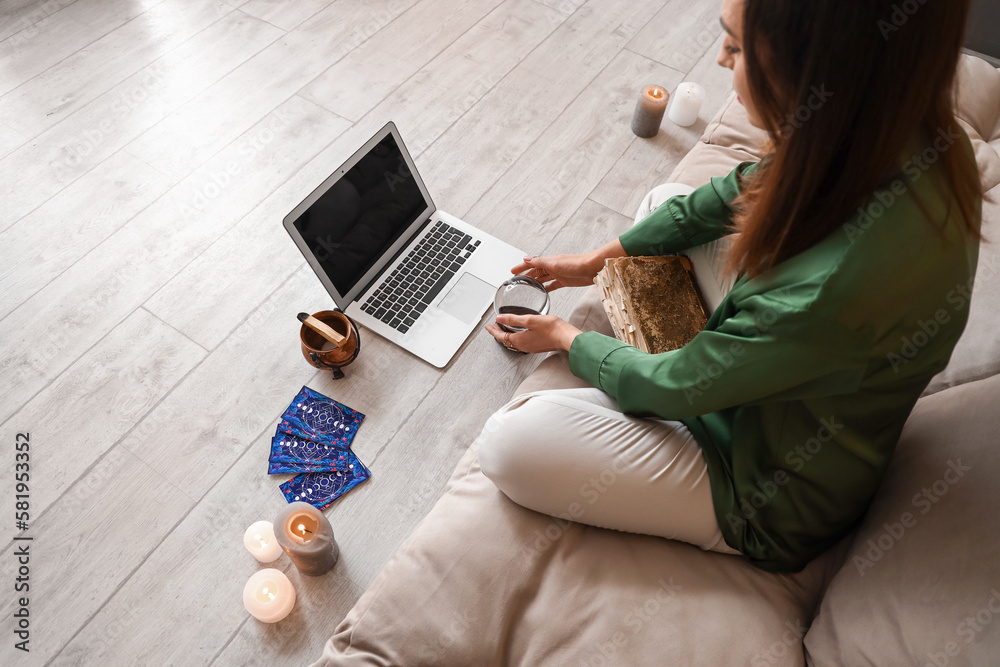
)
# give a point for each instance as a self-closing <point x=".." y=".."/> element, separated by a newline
<point x="686" y="104"/>
<point x="269" y="596"/>
<point x="261" y="543"/>
<point x="649" y="111"/>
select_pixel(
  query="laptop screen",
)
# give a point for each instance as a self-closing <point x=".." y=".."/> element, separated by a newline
<point x="353" y="224"/>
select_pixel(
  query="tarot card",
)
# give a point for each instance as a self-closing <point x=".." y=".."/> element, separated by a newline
<point x="321" y="489"/>
<point x="314" y="416"/>
<point x="289" y="448"/>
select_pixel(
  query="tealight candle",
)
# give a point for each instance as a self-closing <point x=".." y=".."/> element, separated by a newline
<point x="307" y="537"/>
<point x="649" y="111"/>
<point x="269" y="595"/>
<point x="687" y="104"/>
<point x="259" y="541"/>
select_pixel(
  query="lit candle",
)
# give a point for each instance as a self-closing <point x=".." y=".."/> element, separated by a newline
<point x="649" y="111"/>
<point x="259" y="541"/>
<point x="269" y="595"/>
<point x="687" y="104"/>
<point x="307" y="537"/>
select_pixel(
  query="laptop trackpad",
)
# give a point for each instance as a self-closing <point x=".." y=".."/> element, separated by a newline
<point x="467" y="298"/>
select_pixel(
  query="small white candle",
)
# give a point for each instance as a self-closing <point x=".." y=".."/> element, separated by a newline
<point x="269" y="596"/>
<point x="686" y="104"/>
<point x="261" y="543"/>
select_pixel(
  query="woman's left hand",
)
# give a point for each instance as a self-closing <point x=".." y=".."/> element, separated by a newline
<point x="543" y="333"/>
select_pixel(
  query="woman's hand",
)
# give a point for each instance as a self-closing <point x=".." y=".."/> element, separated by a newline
<point x="557" y="271"/>
<point x="543" y="333"/>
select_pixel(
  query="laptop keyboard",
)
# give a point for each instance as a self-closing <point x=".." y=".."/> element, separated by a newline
<point x="419" y="278"/>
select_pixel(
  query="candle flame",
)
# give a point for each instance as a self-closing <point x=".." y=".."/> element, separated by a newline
<point x="268" y="593"/>
<point x="302" y="527"/>
<point x="656" y="93"/>
<point x="261" y="540"/>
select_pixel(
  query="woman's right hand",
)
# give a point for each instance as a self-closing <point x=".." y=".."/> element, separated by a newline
<point x="555" y="271"/>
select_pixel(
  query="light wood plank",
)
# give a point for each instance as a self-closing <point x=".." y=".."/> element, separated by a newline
<point x="44" y="43"/>
<point x="546" y="185"/>
<point x="486" y="141"/>
<point x="49" y="240"/>
<point x="286" y="14"/>
<point x="80" y="416"/>
<point x="679" y="34"/>
<point x="34" y="49"/>
<point x="246" y="262"/>
<point x="365" y="76"/>
<point x="82" y="77"/>
<point x="88" y="545"/>
<point x="201" y="127"/>
<point x="457" y="78"/>
<point x="18" y="15"/>
<point x="71" y="313"/>
<point x="649" y="162"/>
<point x="38" y="171"/>
<point x="564" y="6"/>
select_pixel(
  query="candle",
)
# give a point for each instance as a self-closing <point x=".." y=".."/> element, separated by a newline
<point x="649" y="111"/>
<point x="686" y="104"/>
<point x="259" y="541"/>
<point x="307" y="537"/>
<point x="269" y="595"/>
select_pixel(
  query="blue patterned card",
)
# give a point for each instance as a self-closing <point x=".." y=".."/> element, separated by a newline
<point x="313" y="416"/>
<point x="292" y="449"/>
<point x="321" y="489"/>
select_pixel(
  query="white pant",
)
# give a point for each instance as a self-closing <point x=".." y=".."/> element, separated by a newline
<point x="573" y="454"/>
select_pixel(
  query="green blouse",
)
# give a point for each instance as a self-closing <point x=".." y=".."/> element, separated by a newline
<point x="798" y="388"/>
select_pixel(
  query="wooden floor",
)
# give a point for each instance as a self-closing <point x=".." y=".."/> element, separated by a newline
<point x="148" y="342"/>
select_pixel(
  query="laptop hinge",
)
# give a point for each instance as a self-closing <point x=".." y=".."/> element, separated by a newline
<point x="403" y="247"/>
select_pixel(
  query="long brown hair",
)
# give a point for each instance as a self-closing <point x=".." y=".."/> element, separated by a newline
<point x="842" y="86"/>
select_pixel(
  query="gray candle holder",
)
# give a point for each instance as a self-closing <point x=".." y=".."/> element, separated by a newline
<point x="307" y="537"/>
<point x="649" y="110"/>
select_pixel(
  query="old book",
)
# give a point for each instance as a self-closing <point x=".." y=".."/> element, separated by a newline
<point x="653" y="303"/>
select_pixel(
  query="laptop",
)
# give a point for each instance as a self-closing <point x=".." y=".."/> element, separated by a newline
<point x="391" y="260"/>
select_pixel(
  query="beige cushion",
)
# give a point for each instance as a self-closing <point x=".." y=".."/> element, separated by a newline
<point x="921" y="566"/>
<point x="483" y="581"/>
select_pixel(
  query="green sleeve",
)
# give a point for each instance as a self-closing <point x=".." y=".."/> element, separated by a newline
<point x="686" y="221"/>
<point x="740" y="363"/>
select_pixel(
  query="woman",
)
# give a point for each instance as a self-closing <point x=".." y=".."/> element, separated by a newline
<point x="769" y="433"/>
